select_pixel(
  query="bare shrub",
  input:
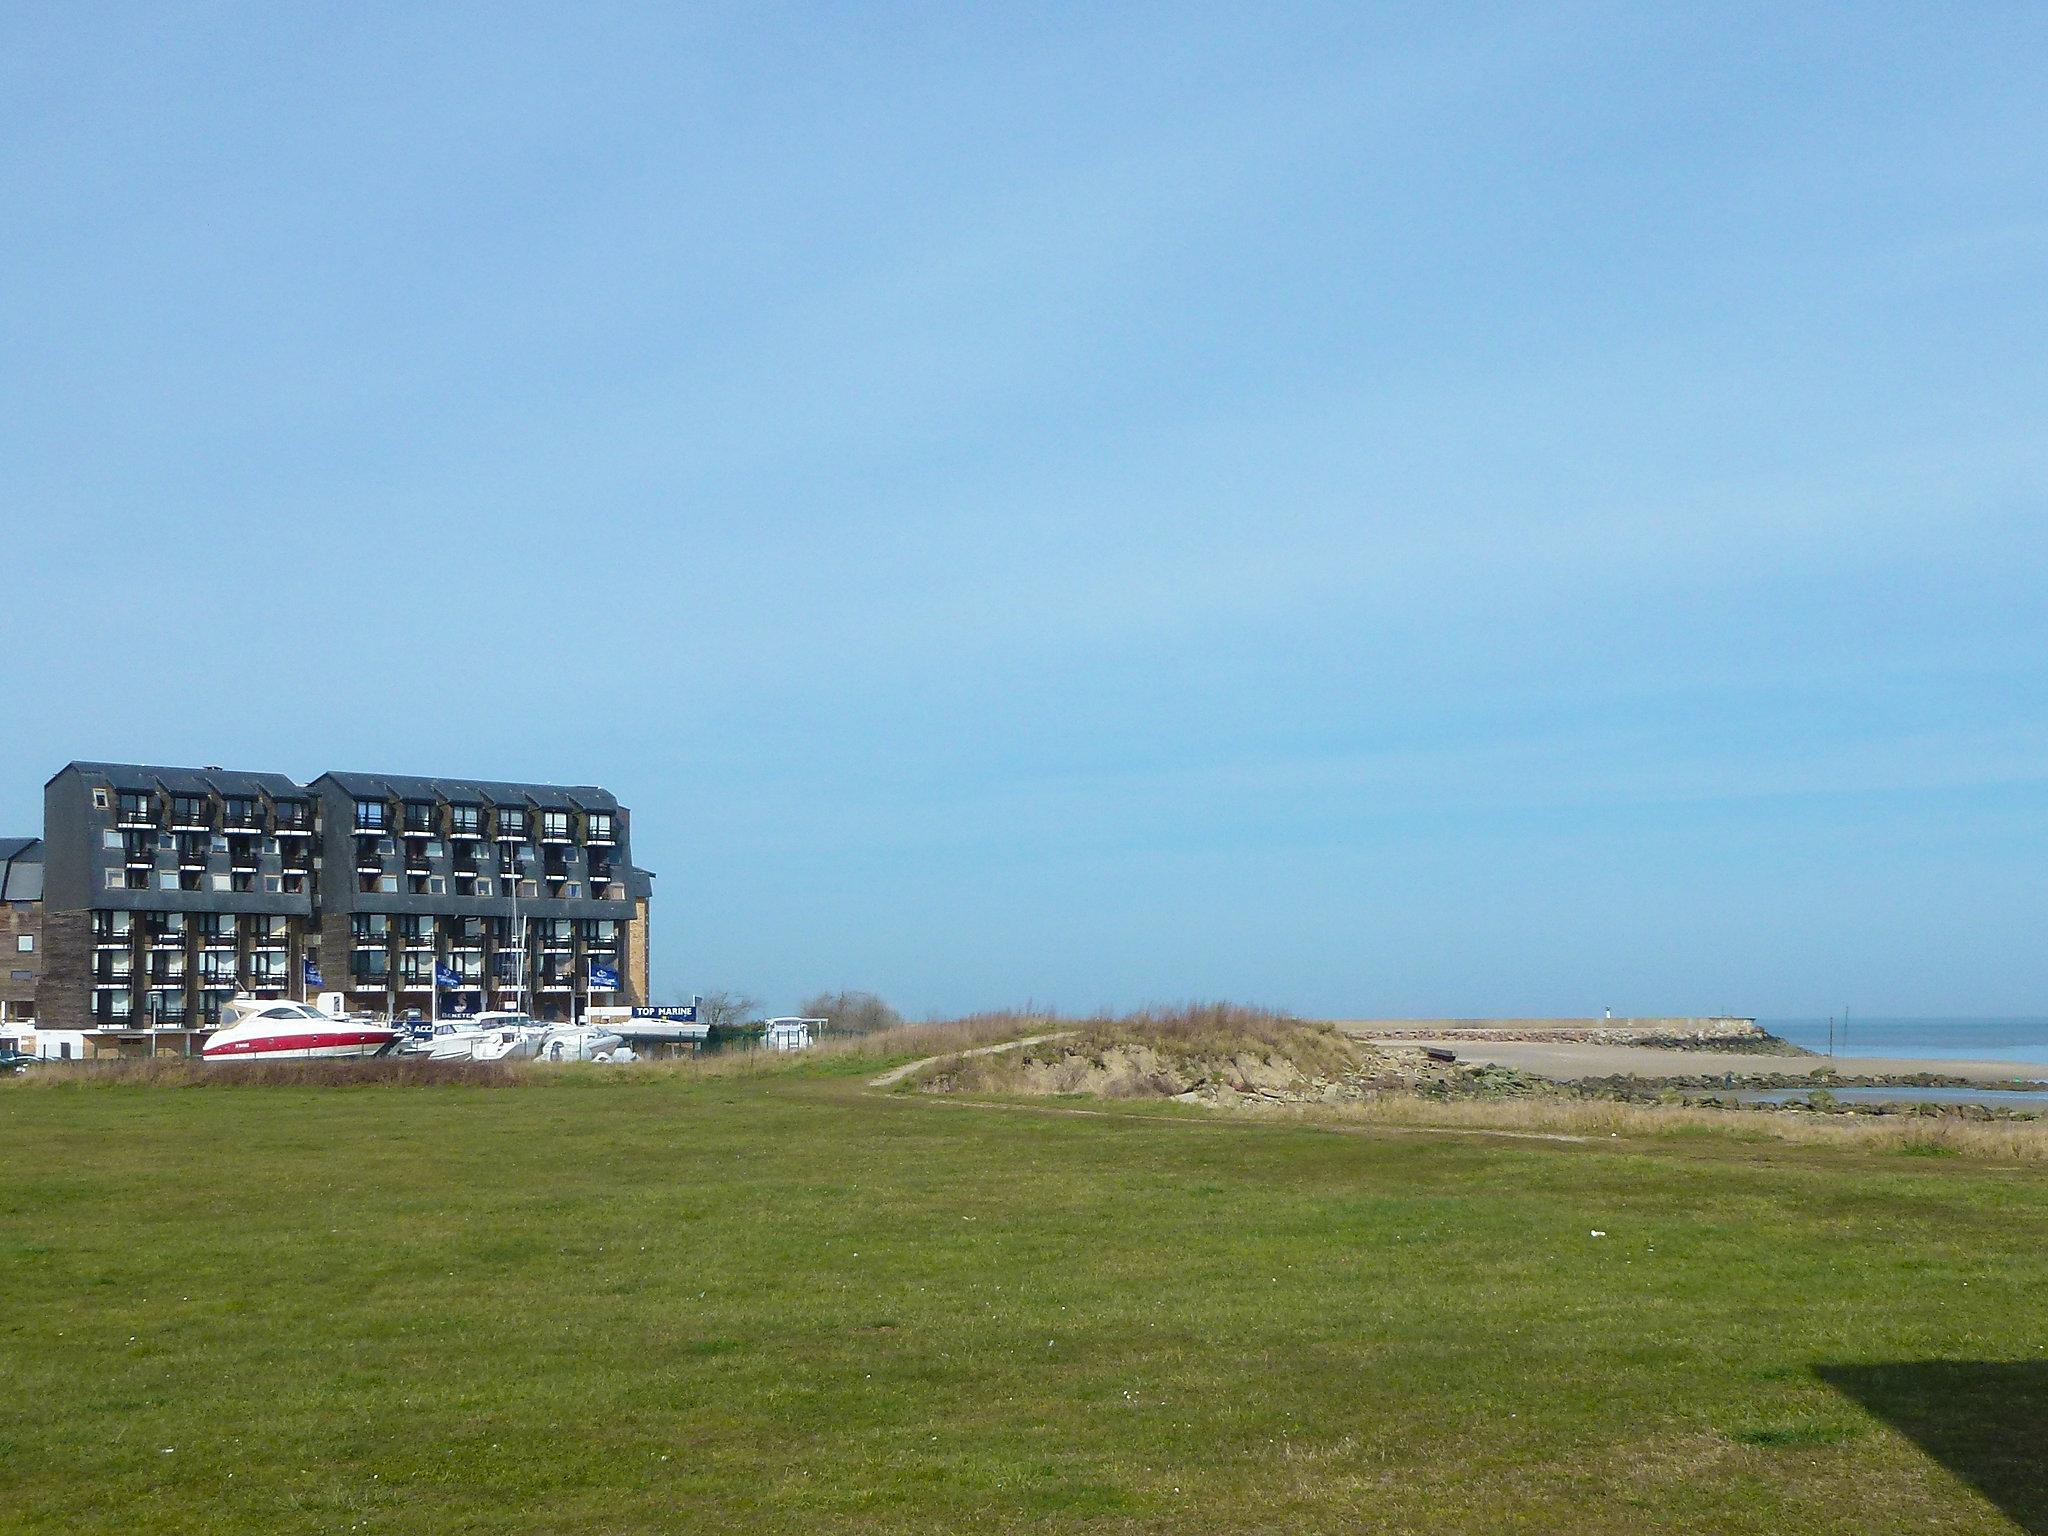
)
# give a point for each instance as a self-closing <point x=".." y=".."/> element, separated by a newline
<point x="852" y="1013"/>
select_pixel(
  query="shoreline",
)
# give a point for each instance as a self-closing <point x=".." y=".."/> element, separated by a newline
<point x="1576" y="1060"/>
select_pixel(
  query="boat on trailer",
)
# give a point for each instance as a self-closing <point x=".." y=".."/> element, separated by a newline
<point x="277" y="1029"/>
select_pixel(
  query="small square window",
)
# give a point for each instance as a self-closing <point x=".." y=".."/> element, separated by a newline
<point x="111" y="838"/>
<point x="117" y="879"/>
<point x="168" y="880"/>
<point x="272" y="884"/>
<point x="572" y="891"/>
<point x="388" y="884"/>
<point x="26" y="944"/>
<point x="99" y="800"/>
<point x="223" y="883"/>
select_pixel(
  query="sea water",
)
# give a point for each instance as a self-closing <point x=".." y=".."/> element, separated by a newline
<point x="2023" y="1039"/>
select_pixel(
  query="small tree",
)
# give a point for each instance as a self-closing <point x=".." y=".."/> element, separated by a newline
<point x="852" y="1013"/>
<point x="727" y="1010"/>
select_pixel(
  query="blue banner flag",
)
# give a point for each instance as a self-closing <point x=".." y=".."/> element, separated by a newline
<point x="603" y="978"/>
<point x="445" y="977"/>
<point x="312" y="973"/>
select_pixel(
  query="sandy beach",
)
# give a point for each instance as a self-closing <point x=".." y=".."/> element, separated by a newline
<point x="1569" y="1061"/>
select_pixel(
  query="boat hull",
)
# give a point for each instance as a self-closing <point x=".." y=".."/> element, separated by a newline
<point x="341" y="1041"/>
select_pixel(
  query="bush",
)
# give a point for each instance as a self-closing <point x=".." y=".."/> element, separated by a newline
<point x="852" y="1013"/>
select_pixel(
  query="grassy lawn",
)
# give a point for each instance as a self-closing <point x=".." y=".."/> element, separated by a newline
<point x="781" y="1302"/>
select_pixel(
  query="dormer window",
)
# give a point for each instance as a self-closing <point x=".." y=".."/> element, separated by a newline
<point x="419" y="816"/>
<point x="598" y="826"/>
<point x="371" y="815"/>
<point x="189" y="811"/>
<point x="242" y="813"/>
<point x="554" y="824"/>
<point x="512" y="824"/>
<point x="138" y="805"/>
<point x="466" y="820"/>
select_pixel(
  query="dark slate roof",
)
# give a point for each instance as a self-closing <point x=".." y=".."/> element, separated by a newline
<point x="21" y="869"/>
<point x="187" y="781"/>
<point x="553" y="797"/>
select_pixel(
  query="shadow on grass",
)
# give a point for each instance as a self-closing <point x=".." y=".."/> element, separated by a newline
<point x="1985" y="1420"/>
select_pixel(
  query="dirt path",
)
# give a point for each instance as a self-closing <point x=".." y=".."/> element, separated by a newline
<point x="895" y="1075"/>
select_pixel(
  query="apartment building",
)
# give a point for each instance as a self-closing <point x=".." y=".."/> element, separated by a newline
<point x="21" y="929"/>
<point x="167" y="890"/>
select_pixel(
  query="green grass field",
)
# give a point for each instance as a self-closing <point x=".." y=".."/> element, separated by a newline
<point x="780" y="1301"/>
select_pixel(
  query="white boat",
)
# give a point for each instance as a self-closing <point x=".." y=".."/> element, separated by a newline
<point x="480" y="1037"/>
<point x="276" y="1029"/>
<point x="581" y="1042"/>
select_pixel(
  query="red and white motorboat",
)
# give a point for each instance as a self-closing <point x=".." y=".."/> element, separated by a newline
<point x="276" y="1029"/>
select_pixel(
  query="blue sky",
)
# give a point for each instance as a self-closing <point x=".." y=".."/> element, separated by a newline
<point x="1371" y="509"/>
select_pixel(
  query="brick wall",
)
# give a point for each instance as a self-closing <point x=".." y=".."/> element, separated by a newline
<point x="64" y="994"/>
<point x="17" y="921"/>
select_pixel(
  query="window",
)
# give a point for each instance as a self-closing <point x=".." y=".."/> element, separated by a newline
<point x="223" y="883"/>
<point x="21" y="975"/>
<point x="388" y="885"/>
<point x="188" y="808"/>
<point x="111" y="838"/>
<point x="437" y="886"/>
<point x="370" y="815"/>
<point x="466" y="818"/>
<point x="573" y="891"/>
<point x="273" y="884"/>
<point x="529" y="888"/>
<point x="169" y="880"/>
<point x="511" y="824"/>
<point x="99" y="799"/>
<point x="26" y="944"/>
<point x="117" y="879"/>
<point x="554" y="824"/>
<point x="599" y="824"/>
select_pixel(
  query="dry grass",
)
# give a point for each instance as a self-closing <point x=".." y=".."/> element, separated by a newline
<point x="191" y="1072"/>
<point x="1152" y="1053"/>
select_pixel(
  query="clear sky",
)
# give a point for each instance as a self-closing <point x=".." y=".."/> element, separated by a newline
<point x="1374" y="509"/>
